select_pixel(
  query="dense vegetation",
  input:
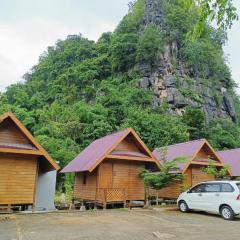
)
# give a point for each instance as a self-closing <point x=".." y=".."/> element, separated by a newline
<point x="82" y="90"/>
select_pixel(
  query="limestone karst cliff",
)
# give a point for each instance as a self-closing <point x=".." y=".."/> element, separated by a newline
<point x="177" y="83"/>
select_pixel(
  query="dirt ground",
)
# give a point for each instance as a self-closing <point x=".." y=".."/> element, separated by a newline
<point x="118" y="225"/>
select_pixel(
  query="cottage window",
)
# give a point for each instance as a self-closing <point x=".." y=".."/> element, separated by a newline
<point x="84" y="178"/>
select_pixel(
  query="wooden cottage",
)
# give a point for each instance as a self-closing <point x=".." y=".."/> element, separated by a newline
<point x="24" y="167"/>
<point x="197" y="154"/>
<point x="231" y="158"/>
<point x="107" y="171"/>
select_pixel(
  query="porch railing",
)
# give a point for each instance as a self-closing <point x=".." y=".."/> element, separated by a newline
<point x="107" y="195"/>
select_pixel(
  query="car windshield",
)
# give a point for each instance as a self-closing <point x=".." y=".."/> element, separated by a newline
<point x="238" y="184"/>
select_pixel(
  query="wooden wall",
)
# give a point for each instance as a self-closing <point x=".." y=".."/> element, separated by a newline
<point x="170" y="192"/>
<point x="9" y="133"/>
<point x="85" y="191"/>
<point x="126" y="176"/>
<point x="193" y="176"/>
<point x="127" y="145"/>
<point x="199" y="176"/>
<point x="123" y="175"/>
<point x="112" y="174"/>
<point x="130" y="144"/>
<point x="17" y="178"/>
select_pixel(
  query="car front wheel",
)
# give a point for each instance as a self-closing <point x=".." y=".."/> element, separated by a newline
<point x="183" y="207"/>
<point x="227" y="213"/>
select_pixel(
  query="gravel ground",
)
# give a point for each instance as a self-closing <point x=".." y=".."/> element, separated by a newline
<point x="118" y="225"/>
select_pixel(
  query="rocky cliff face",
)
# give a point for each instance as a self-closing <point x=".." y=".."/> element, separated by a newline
<point x="178" y="86"/>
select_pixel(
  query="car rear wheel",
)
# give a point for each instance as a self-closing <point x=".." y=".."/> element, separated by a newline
<point x="227" y="213"/>
<point x="183" y="207"/>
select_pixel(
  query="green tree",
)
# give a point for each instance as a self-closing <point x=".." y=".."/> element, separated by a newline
<point x="223" y="134"/>
<point x="221" y="11"/>
<point x="168" y="172"/>
<point x="218" y="173"/>
<point x="195" y="120"/>
<point x="150" y="45"/>
<point x="156" y="129"/>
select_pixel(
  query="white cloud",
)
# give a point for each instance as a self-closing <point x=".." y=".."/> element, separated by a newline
<point x="30" y="28"/>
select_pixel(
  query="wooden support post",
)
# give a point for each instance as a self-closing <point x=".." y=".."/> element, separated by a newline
<point x="104" y="206"/>
<point x="105" y="199"/>
<point x="35" y="186"/>
<point x="157" y="197"/>
<point x="146" y="196"/>
<point x="33" y="208"/>
<point x="9" y="208"/>
<point x="125" y="199"/>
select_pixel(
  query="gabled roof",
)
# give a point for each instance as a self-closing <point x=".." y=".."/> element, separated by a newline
<point x="34" y="149"/>
<point x="231" y="158"/>
<point x="188" y="150"/>
<point x="101" y="148"/>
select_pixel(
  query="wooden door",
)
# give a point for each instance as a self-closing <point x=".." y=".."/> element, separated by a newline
<point x="105" y="175"/>
<point x="136" y="189"/>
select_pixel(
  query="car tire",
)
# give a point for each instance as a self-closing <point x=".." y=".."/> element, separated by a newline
<point x="183" y="207"/>
<point x="227" y="213"/>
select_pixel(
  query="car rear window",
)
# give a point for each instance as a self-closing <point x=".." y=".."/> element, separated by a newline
<point x="238" y="184"/>
<point x="226" y="187"/>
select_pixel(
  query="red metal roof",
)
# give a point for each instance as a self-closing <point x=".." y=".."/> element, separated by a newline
<point x="95" y="151"/>
<point x="231" y="158"/>
<point x="186" y="149"/>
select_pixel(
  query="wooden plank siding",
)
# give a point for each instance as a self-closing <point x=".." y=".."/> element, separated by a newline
<point x="86" y="191"/>
<point x="193" y="176"/>
<point x="199" y="176"/>
<point x="123" y="155"/>
<point x="127" y="145"/>
<point x="126" y="176"/>
<point x="9" y="133"/>
<point x="118" y="177"/>
<point x="17" y="179"/>
<point x="170" y="192"/>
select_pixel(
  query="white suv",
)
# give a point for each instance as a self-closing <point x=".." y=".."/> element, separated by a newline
<point x="214" y="196"/>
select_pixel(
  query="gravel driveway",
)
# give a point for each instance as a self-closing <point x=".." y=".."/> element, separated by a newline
<point x="118" y="225"/>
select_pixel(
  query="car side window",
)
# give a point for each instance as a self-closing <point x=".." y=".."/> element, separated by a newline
<point x="213" y="187"/>
<point x="226" y="187"/>
<point x="198" y="189"/>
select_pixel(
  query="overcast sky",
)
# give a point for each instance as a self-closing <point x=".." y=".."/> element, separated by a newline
<point x="27" y="27"/>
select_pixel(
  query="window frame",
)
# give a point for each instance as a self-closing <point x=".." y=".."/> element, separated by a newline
<point x="238" y="185"/>
<point x="230" y="186"/>
<point x="84" y="179"/>
<point x="190" y="191"/>
<point x="214" y="184"/>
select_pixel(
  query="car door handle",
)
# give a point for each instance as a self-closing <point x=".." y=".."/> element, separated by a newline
<point x="199" y="194"/>
<point x="217" y="194"/>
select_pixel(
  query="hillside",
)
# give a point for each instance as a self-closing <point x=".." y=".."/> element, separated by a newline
<point x="148" y="74"/>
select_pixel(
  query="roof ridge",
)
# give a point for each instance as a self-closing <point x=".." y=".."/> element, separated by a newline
<point x="228" y="150"/>
<point x="111" y="134"/>
<point x="183" y="143"/>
